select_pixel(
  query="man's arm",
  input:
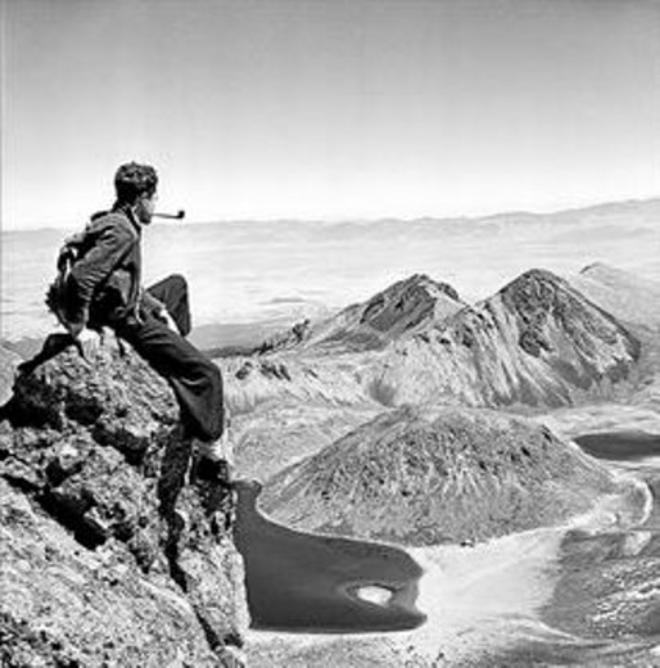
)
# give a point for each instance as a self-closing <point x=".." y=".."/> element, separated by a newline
<point x="112" y="243"/>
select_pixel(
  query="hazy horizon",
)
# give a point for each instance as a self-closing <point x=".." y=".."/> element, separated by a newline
<point x="249" y="273"/>
<point x="358" y="221"/>
<point x="288" y="109"/>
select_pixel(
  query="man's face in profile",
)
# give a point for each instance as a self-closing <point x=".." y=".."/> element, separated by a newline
<point x="145" y="207"/>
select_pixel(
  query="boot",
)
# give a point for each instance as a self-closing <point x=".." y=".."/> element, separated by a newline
<point x="212" y="470"/>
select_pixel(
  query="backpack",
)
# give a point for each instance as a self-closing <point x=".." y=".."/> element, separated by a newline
<point x="60" y="299"/>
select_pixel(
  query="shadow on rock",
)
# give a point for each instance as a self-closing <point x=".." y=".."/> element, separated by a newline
<point x="96" y="444"/>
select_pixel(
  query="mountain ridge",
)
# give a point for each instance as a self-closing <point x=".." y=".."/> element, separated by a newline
<point x="610" y="206"/>
<point x="536" y="341"/>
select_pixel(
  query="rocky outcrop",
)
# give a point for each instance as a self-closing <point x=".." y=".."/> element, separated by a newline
<point x="293" y="377"/>
<point x="110" y="554"/>
<point x="536" y="342"/>
<point x="290" y="338"/>
<point x="422" y="476"/>
<point x="9" y="361"/>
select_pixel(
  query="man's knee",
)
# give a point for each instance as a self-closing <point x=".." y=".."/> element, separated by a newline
<point x="178" y="282"/>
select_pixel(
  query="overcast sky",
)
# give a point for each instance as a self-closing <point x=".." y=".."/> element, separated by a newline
<point x="329" y="109"/>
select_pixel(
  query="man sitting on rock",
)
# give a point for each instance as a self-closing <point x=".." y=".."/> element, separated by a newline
<point x="103" y="288"/>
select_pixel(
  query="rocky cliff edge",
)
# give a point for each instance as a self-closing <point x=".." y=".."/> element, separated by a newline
<point x="109" y="554"/>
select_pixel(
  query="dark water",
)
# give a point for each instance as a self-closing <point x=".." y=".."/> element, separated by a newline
<point x="303" y="582"/>
<point x="620" y="446"/>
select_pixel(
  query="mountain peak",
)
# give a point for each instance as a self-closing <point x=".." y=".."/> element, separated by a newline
<point x="596" y="267"/>
<point x="408" y="305"/>
<point x="411" y="304"/>
<point x="534" y="297"/>
<point x="407" y="302"/>
<point x="545" y="304"/>
<point x="538" y="340"/>
<point x="533" y="284"/>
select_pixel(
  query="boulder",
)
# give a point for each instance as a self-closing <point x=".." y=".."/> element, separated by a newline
<point x="110" y="554"/>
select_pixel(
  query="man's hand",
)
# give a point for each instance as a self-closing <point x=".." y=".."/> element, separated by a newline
<point x="77" y="324"/>
<point x="165" y="317"/>
<point x="87" y="342"/>
<point x="75" y="328"/>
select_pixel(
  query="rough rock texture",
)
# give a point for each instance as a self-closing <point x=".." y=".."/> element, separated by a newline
<point x="428" y="475"/>
<point x="402" y="308"/>
<point x="8" y="363"/>
<point x="97" y="567"/>
<point x="288" y="339"/>
<point x="537" y="341"/>
<point x="294" y="377"/>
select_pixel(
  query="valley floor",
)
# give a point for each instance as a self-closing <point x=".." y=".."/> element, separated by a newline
<point x="498" y="602"/>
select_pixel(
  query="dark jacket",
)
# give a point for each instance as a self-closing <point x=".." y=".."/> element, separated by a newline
<point x="104" y="283"/>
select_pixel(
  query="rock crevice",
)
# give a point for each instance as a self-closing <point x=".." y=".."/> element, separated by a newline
<point x="91" y="452"/>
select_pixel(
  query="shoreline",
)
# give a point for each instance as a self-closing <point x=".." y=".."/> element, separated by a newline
<point x="297" y="581"/>
<point x="479" y="601"/>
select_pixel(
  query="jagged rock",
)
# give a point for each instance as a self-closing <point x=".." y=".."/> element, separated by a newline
<point x="435" y="474"/>
<point x="292" y="337"/>
<point x="291" y="377"/>
<point x="8" y="363"/>
<point x="63" y="605"/>
<point x="92" y="455"/>
<point x="401" y="309"/>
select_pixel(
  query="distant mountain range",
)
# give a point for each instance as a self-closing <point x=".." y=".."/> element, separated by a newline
<point x="537" y="341"/>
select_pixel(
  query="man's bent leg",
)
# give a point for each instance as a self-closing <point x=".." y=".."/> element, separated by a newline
<point x="173" y="292"/>
<point x="196" y="381"/>
<point x="220" y="448"/>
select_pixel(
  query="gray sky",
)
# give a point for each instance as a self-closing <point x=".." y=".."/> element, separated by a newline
<point x="329" y="109"/>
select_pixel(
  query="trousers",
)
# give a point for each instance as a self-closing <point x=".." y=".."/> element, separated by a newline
<point x="195" y="379"/>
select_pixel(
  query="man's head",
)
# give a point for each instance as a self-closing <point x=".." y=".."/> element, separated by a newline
<point x="136" y="187"/>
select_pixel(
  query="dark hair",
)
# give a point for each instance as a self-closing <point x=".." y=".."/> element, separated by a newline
<point x="133" y="180"/>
